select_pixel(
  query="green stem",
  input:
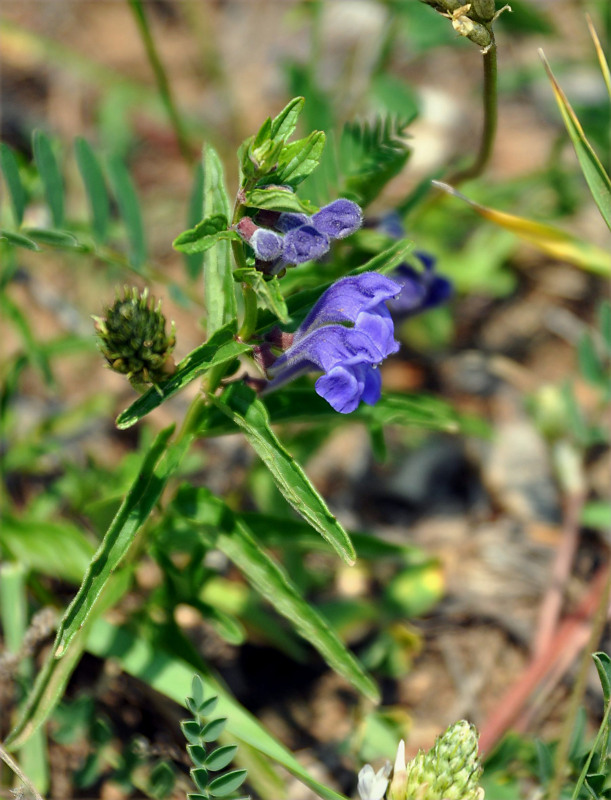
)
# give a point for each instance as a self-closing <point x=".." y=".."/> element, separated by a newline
<point x="161" y="78"/>
<point x="249" y="323"/>
<point x="490" y="99"/>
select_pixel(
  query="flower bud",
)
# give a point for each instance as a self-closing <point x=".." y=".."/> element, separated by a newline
<point x="266" y="244"/>
<point x="484" y="10"/>
<point x="338" y="219"/>
<point x="304" y="243"/>
<point x="287" y="221"/>
<point x="133" y="339"/>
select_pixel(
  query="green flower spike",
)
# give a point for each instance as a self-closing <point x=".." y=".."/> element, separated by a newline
<point x="449" y="771"/>
<point x="133" y="339"/>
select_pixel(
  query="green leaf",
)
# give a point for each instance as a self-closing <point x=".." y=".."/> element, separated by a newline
<point x="299" y="159"/>
<point x="269" y="292"/>
<point x="220" y="349"/>
<point x="35" y="352"/>
<point x="159" y="464"/>
<point x="161" y="780"/>
<point x="205" y="235"/>
<point x="197" y="690"/>
<point x="212" y="730"/>
<point x="604" y="323"/>
<point x="191" y="730"/>
<point x="197" y="753"/>
<point x="52" y="548"/>
<point x="53" y="238"/>
<point x="285" y="123"/>
<point x="10" y="169"/>
<point x="172" y="677"/>
<point x="208" y="706"/>
<point x="221" y="757"/>
<point x="129" y="208"/>
<point x="232" y="537"/>
<point x="277" y="199"/>
<point x="50" y="174"/>
<point x="593" y="171"/>
<point x="590" y="364"/>
<point x="200" y="778"/>
<point x="195" y="261"/>
<point x="241" y="405"/>
<point x="18" y="240"/>
<point x="602" y="662"/>
<point x="219" y="287"/>
<point x="95" y="186"/>
<point x="228" y="783"/>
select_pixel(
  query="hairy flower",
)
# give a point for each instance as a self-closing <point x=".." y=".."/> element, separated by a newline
<point x="371" y="784"/>
<point x="266" y="244"/>
<point x="304" y="243"/>
<point x="346" y="335"/>
<point x="338" y="219"/>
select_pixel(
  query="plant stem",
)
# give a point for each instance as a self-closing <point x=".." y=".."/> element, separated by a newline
<point x="161" y="78"/>
<point x="249" y="322"/>
<point x="490" y="99"/>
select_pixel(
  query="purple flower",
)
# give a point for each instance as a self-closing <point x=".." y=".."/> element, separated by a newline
<point x="266" y="244"/>
<point x="303" y="244"/>
<point x="338" y="219"/>
<point x="287" y="221"/>
<point x="419" y="290"/>
<point x="348" y="355"/>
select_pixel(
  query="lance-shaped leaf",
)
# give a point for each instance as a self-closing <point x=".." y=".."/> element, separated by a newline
<point x="159" y="464"/>
<point x="18" y="240"/>
<point x="129" y="207"/>
<point x="553" y="241"/>
<point x="593" y="171"/>
<point x="298" y="159"/>
<point x="241" y="405"/>
<point x="95" y="186"/>
<point x="231" y="536"/>
<point x="205" y="235"/>
<point x="220" y="349"/>
<point x="285" y="123"/>
<point x="10" y="170"/>
<point x="50" y="174"/>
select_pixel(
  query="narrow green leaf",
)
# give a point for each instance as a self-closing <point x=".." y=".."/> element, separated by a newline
<point x="61" y="239"/>
<point x="221" y="757"/>
<point x="18" y="240"/>
<point x="195" y="261"/>
<point x="285" y="123"/>
<point x="590" y="364"/>
<point x="600" y="53"/>
<point x="129" y="208"/>
<point x="35" y="352"/>
<point x="269" y="292"/>
<point x="218" y="350"/>
<point x="51" y="176"/>
<point x="602" y="662"/>
<point x="172" y="677"/>
<point x="212" y="730"/>
<point x="241" y="405"/>
<point x="228" y="783"/>
<point x="277" y="199"/>
<point x="219" y="287"/>
<point x="300" y="159"/>
<point x="10" y="170"/>
<point x="604" y="323"/>
<point x="95" y="187"/>
<point x="159" y="464"/>
<point x="593" y="170"/>
<point x="205" y="235"/>
<point x="197" y="690"/>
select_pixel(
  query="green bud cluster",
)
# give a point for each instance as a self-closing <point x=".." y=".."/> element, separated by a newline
<point x="450" y="770"/>
<point x="472" y="20"/>
<point x="133" y="339"/>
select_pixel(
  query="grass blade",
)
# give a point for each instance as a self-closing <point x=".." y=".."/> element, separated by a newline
<point x="51" y="176"/>
<point x="593" y="170"/>
<point x="95" y="186"/>
<point x="241" y="405"/>
<point x="600" y="53"/>
<point x="129" y="208"/>
<point x="10" y="170"/>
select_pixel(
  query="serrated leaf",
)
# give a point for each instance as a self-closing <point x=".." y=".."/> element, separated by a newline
<point x="61" y="239"/>
<point x="221" y="757"/>
<point x="213" y="729"/>
<point x="200" y="778"/>
<point x="269" y="292"/>
<point x="228" y="783"/>
<point x="285" y="123"/>
<point x="219" y="288"/>
<point x="129" y="208"/>
<point x="18" y="240"/>
<point x="196" y="752"/>
<point x="220" y="349"/>
<point x="159" y="463"/>
<point x="299" y="159"/>
<point x="553" y="241"/>
<point x="50" y="174"/>
<point x="95" y="187"/>
<point x="241" y="405"/>
<point x="205" y="235"/>
<point x="277" y="199"/>
<point x="191" y="730"/>
<point x="602" y="662"/>
<point x="10" y="170"/>
<point x="593" y="171"/>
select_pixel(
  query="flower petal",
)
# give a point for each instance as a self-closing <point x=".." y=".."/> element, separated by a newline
<point x="338" y="219"/>
<point x="303" y="244"/>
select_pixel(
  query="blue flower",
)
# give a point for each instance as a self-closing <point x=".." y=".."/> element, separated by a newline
<point x="338" y="219"/>
<point x="304" y="243"/>
<point x="419" y="290"/>
<point x="266" y="244"/>
<point x="346" y="335"/>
